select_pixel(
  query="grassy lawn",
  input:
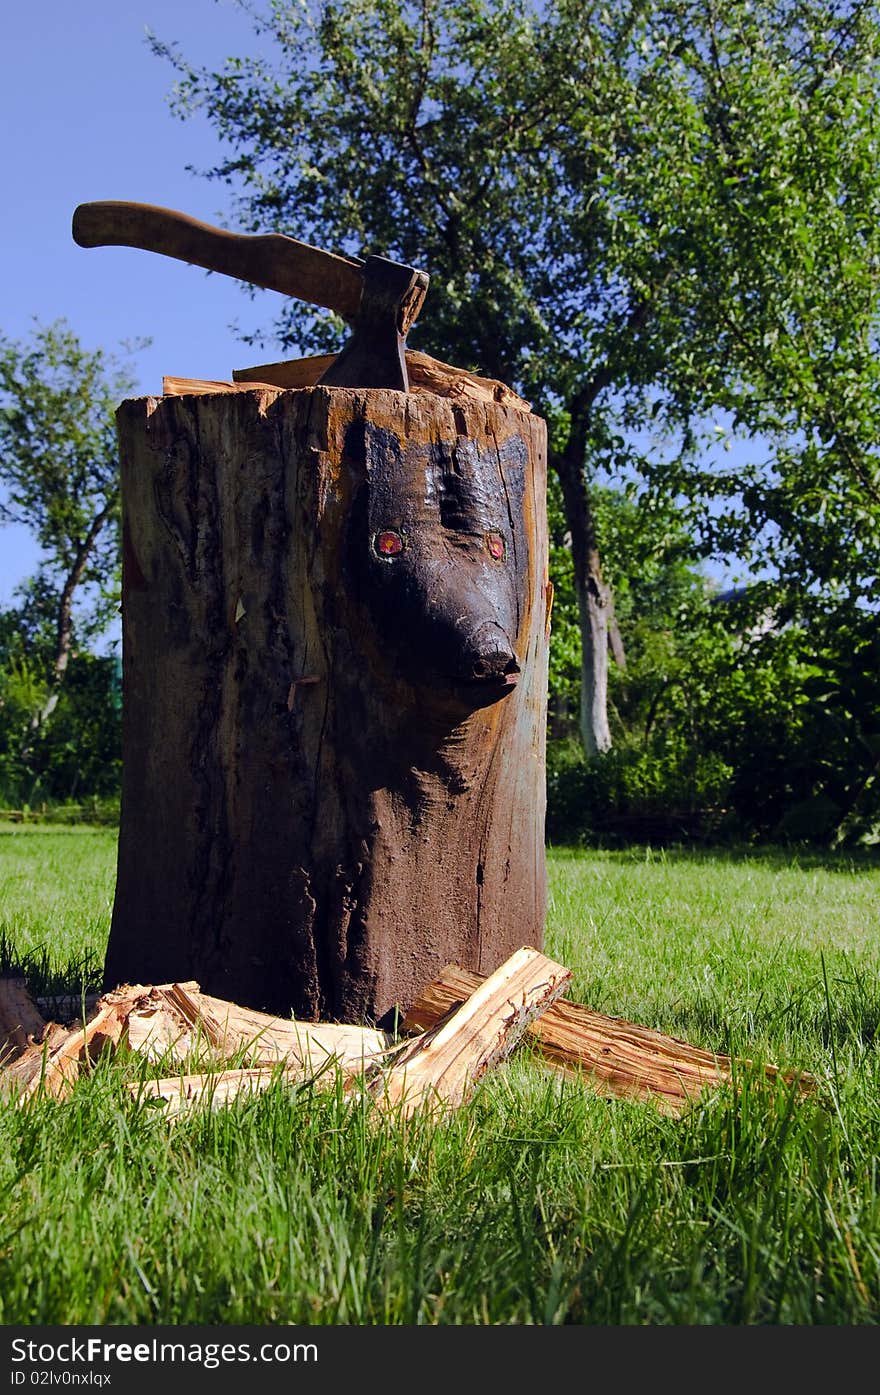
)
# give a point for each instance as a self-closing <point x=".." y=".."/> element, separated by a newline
<point x="540" y="1202"/>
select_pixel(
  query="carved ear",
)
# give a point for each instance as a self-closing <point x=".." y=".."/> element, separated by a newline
<point x="355" y="449"/>
<point x="373" y="448"/>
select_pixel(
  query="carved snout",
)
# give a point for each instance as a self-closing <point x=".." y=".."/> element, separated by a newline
<point x="489" y="658"/>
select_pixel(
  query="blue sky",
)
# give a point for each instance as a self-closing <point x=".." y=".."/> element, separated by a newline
<point x="84" y="115"/>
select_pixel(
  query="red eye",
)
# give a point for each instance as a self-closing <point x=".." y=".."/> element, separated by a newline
<point x="388" y="543"/>
<point x="495" y="544"/>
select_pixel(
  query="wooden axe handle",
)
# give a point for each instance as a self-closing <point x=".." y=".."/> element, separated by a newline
<point x="271" y="260"/>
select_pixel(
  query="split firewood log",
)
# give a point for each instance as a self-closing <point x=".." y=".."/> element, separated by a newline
<point x="614" y="1057"/>
<point x="441" y="1067"/>
<point x="52" y="1065"/>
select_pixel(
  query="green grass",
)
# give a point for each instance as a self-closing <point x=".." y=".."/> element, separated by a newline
<point x="537" y="1203"/>
<point x="56" y="896"/>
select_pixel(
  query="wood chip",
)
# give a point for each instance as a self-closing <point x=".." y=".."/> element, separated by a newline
<point x="615" y="1057"/>
<point x="441" y="1067"/>
<point x="426" y="374"/>
<point x="183" y="387"/>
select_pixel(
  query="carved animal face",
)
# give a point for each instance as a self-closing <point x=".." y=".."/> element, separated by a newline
<point x="437" y="553"/>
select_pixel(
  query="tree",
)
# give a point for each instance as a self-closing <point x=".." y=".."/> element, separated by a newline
<point x="78" y="753"/>
<point x="59" y="466"/>
<point x="642" y="215"/>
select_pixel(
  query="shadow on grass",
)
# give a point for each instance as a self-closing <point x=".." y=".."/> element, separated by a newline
<point x="776" y="856"/>
<point x="46" y="977"/>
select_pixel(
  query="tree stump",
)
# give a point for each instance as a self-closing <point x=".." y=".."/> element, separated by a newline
<point x="335" y="621"/>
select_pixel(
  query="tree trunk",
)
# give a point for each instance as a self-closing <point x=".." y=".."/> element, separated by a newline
<point x="593" y="604"/>
<point x="334" y="694"/>
<point x="64" y="619"/>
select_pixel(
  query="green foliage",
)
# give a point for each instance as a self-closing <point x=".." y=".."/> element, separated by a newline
<point x="77" y="754"/>
<point x="738" y="716"/>
<point x="59" y="466"/>
<point x="794" y="710"/>
<point x="59" y="703"/>
<point x="747" y="726"/>
<point x="660" y="793"/>
<point x="662" y="779"/>
<point x="565" y="645"/>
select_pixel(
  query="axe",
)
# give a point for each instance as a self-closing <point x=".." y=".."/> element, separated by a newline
<point x="379" y="298"/>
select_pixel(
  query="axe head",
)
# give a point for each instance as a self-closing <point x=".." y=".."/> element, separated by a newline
<point x="375" y="354"/>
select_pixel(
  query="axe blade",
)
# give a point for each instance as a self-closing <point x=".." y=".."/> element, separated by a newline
<point x="375" y="354"/>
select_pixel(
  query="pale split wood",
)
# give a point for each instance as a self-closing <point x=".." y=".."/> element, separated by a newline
<point x="429" y="374"/>
<point x="290" y="1051"/>
<point x="71" y="1008"/>
<point x="21" y="1022"/>
<point x="150" y="1023"/>
<point x="212" y="1088"/>
<point x="52" y="1065"/>
<point x="426" y="374"/>
<point x="292" y="373"/>
<point x="182" y="387"/>
<point x="312" y="1044"/>
<point x="154" y="1030"/>
<point x="157" y="1026"/>
<point x="264" y="1039"/>
<point x="615" y="1057"/>
<point x="178" y="1018"/>
<point x="177" y="1021"/>
<point x="20" y="1079"/>
<point x="186" y="1001"/>
<point x="441" y="1067"/>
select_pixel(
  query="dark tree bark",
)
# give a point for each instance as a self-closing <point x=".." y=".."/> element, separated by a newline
<point x="334" y="653"/>
<point x="594" y="600"/>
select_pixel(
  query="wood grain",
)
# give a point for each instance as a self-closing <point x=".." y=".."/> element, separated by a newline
<point x="233" y="1031"/>
<point x="441" y="1067"/>
<point x="320" y="806"/>
<point x="186" y="387"/>
<point x="180" y="1093"/>
<point x="612" y="1056"/>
